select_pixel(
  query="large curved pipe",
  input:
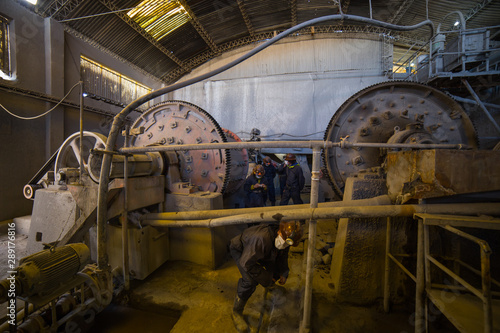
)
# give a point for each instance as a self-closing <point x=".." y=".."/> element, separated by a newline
<point x="119" y="119"/>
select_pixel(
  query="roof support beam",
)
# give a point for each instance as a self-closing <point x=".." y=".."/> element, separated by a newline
<point x="244" y="13"/>
<point x="401" y="11"/>
<point x="345" y="6"/>
<point x="199" y="27"/>
<point x="293" y="9"/>
<point x="112" y="7"/>
<point x="477" y="8"/>
<point x="60" y="9"/>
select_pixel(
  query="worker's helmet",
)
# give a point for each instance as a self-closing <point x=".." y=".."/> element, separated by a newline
<point x="291" y="232"/>
<point x="259" y="171"/>
<point x="290" y="157"/>
<point x="267" y="160"/>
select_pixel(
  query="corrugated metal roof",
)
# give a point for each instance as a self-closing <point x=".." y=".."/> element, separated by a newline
<point x="216" y="26"/>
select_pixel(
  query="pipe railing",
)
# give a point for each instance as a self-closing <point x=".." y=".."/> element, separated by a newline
<point x="287" y="144"/>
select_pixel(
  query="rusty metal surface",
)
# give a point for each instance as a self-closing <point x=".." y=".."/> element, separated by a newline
<point x="436" y="173"/>
<point x="392" y="112"/>
<point x="178" y="122"/>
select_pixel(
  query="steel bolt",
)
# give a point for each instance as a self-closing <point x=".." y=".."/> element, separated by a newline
<point x="171" y="140"/>
<point x="188" y="129"/>
<point x="374" y="121"/>
<point x="357" y="160"/>
<point x="204" y="173"/>
<point x="173" y="125"/>
<point x="150" y="135"/>
<point x="364" y="131"/>
<point x="198" y="140"/>
<point x="204" y="156"/>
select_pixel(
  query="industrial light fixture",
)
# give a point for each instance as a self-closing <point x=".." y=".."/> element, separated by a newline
<point x="33" y="2"/>
<point x="456" y="23"/>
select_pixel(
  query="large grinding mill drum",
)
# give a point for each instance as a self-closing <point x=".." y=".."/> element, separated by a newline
<point x="176" y="123"/>
<point x="391" y="112"/>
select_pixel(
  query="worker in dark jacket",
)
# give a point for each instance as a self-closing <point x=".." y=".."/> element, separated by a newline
<point x="294" y="180"/>
<point x="255" y="187"/>
<point x="270" y="173"/>
<point x="261" y="254"/>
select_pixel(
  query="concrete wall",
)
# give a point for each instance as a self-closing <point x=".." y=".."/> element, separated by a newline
<point x="292" y="87"/>
<point x="46" y="60"/>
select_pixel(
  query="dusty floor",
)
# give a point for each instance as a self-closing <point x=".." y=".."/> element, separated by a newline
<point x="202" y="299"/>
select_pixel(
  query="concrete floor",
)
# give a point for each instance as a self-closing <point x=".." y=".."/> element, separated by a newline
<point x="202" y="300"/>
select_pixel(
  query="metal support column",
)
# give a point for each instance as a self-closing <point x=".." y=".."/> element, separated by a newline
<point x="306" y="320"/>
<point x="124" y="218"/>
<point x="420" y="290"/>
<point x="387" y="287"/>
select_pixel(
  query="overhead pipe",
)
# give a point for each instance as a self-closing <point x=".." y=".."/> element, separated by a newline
<point x="287" y="144"/>
<point x="120" y="118"/>
<point x="273" y="216"/>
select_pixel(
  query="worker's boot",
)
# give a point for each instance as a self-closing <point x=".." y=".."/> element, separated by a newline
<point x="237" y="315"/>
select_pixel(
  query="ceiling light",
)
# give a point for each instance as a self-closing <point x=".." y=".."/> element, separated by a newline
<point x="33" y="2"/>
<point x="456" y="23"/>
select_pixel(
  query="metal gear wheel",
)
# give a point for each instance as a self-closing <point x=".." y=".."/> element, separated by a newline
<point x="395" y="111"/>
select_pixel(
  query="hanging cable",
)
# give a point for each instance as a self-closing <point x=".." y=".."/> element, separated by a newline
<point x="43" y="114"/>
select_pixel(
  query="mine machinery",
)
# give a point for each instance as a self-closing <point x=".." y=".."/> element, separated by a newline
<point x="395" y="146"/>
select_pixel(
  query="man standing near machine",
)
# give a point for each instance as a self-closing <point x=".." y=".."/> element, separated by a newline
<point x="255" y="188"/>
<point x="270" y="173"/>
<point x="295" y="180"/>
<point x="261" y="254"/>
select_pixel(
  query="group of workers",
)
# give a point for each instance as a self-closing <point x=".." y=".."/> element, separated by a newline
<point x="261" y="251"/>
<point x="259" y="186"/>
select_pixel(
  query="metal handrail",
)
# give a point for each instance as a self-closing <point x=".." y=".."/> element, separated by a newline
<point x="485" y="294"/>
